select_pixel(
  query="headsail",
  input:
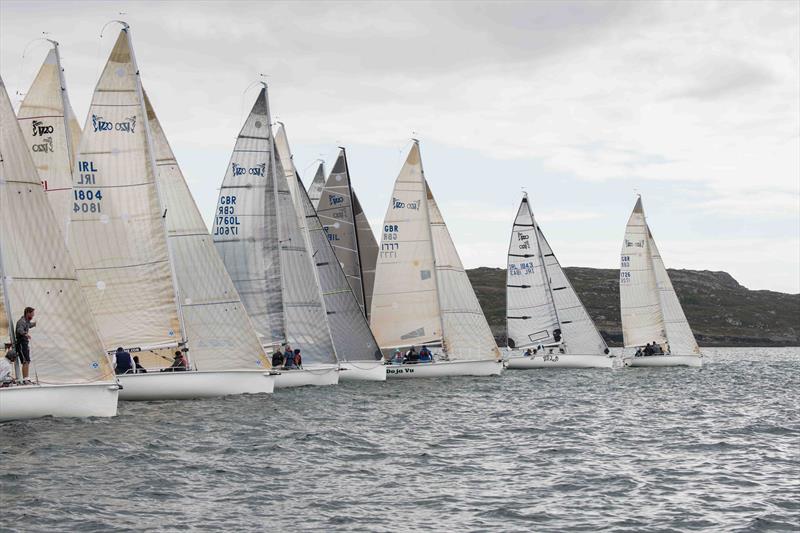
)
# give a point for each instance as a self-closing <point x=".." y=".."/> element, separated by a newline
<point x="642" y="318"/>
<point x="222" y="336"/>
<point x="368" y="249"/>
<point x="36" y="270"/>
<point x="405" y="305"/>
<point x="531" y="314"/>
<point x="317" y="184"/>
<point x="52" y="134"/>
<point x="117" y="236"/>
<point x="245" y="225"/>
<point x="466" y="332"/>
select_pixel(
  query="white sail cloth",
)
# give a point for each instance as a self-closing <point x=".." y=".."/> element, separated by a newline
<point x="52" y="134"/>
<point x="368" y="249"/>
<point x="36" y="270"/>
<point x="116" y="235"/>
<point x="317" y="185"/>
<point x="220" y="334"/>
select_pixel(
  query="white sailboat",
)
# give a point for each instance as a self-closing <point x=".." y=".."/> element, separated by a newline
<point x="348" y="231"/>
<point x="151" y="294"/>
<point x="356" y="348"/>
<point x="317" y="184"/>
<point x="422" y="294"/>
<point x="71" y="374"/>
<point x="651" y="312"/>
<point x="52" y="133"/>
<point x="258" y="235"/>
<point x="543" y="311"/>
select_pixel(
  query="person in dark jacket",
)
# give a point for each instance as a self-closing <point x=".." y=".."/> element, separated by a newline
<point x="139" y="368"/>
<point x="123" y="362"/>
<point x="23" y="338"/>
<point x="412" y="356"/>
<point x="277" y="359"/>
<point x="298" y="359"/>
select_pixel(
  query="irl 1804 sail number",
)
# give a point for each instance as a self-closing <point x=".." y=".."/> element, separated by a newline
<point x="86" y="200"/>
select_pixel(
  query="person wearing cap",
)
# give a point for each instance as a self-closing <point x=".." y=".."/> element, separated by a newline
<point x="123" y="362"/>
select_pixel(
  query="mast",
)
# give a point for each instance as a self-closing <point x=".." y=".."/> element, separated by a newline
<point x="273" y="170"/>
<point x="154" y="169"/>
<point x="355" y="230"/>
<point x="433" y="250"/>
<point x="65" y="103"/>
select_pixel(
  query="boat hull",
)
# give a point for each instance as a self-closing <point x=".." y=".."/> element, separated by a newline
<point x="317" y="375"/>
<point x="363" y="371"/>
<point x="517" y="362"/>
<point x="194" y="384"/>
<point x="664" y="360"/>
<point x="79" y="401"/>
<point x="445" y="368"/>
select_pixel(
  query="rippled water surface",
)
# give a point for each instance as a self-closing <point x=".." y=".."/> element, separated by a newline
<point x="716" y="448"/>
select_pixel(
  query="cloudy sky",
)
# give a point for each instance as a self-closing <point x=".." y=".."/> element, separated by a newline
<point x="694" y="105"/>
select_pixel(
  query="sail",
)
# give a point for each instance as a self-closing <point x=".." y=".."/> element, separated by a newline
<point x="303" y="306"/>
<point x="466" y="333"/>
<point x="51" y="133"/>
<point x="352" y="338"/>
<point x="679" y="335"/>
<point x="317" y="184"/>
<point x="222" y="337"/>
<point x="577" y="327"/>
<point x="5" y="335"/>
<point x="116" y="235"/>
<point x="245" y="230"/>
<point x="368" y="250"/>
<point x="405" y="305"/>
<point x="642" y="320"/>
<point x="37" y="270"/>
<point x="531" y="316"/>
<point x="336" y="213"/>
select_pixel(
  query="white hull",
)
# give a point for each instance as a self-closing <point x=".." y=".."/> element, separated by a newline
<point x="560" y="361"/>
<point x="34" y="401"/>
<point x="194" y="384"/>
<point x="362" y="371"/>
<point x="444" y="368"/>
<point x="310" y="375"/>
<point x="664" y="360"/>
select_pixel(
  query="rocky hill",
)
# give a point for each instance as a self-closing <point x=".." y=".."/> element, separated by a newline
<point x="720" y="310"/>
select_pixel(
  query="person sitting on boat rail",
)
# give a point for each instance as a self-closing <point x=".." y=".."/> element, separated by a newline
<point x="657" y="349"/>
<point x="178" y="363"/>
<point x="398" y="358"/>
<point x="425" y="355"/>
<point x="638" y="352"/>
<point x="123" y="362"/>
<point x="22" y="331"/>
<point x="412" y="357"/>
<point x="139" y="368"/>
<point x="297" y="358"/>
<point x="7" y="367"/>
<point x="288" y="357"/>
<point x="528" y="353"/>
<point x="277" y="359"/>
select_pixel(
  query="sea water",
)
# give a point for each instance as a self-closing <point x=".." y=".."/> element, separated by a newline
<point x="645" y="449"/>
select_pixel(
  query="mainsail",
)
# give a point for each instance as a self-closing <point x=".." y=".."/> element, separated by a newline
<point x="640" y="305"/>
<point x="317" y="184"/>
<point x="52" y="133"/>
<point x="531" y="314"/>
<point x="36" y="270"/>
<point x="222" y="337"/>
<point x="405" y="303"/>
<point x="117" y="235"/>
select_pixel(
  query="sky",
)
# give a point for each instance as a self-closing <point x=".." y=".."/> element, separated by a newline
<point x="693" y="105"/>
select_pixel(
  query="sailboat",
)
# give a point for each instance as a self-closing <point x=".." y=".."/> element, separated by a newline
<point x="258" y="234"/>
<point x="543" y="311"/>
<point x="651" y="312"/>
<point x="422" y="294"/>
<point x="52" y="133"/>
<point x="71" y="375"/>
<point x="317" y="184"/>
<point x="145" y="264"/>
<point x="348" y="231"/>
<point x="356" y="348"/>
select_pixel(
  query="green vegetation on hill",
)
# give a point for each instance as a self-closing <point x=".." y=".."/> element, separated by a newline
<point x="720" y="310"/>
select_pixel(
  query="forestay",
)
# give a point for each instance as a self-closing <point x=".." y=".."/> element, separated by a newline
<point x="405" y="305"/>
<point x="37" y="270"/>
<point x="116" y="235"/>
<point x="352" y="338"/>
<point x="304" y="310"/>
<point x="52" y="133"/>
<point x="642" y="318"/>
<point x="466" y="332"/>
<point x="530" y="308"/>
<point x="317" y="185"/>
<point x="245" y="228"/>
<point x="221" y="335"/>
<point x="679" y="334"/>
